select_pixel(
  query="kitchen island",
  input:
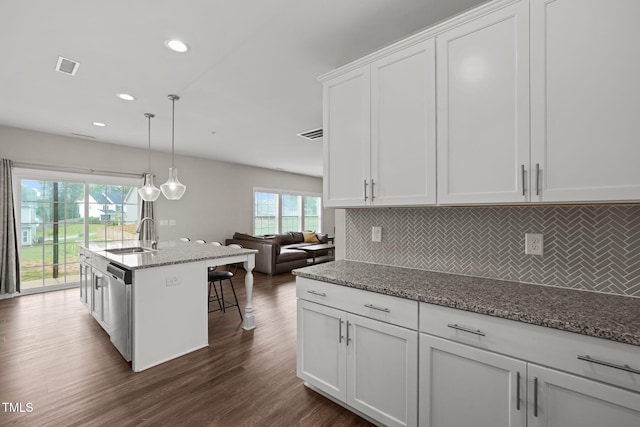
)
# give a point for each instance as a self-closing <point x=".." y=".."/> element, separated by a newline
<point x="168" y="303"/>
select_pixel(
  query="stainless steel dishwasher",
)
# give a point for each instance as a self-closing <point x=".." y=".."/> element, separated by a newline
<point x="120" y="280"/>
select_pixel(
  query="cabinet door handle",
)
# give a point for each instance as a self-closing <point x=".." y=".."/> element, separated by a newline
<point x="522" y="173"/>
<point x="373" y="184"/>
<point x="626" y="368"/>
<point x="462" y="328"/>
<point x="348" y="339"/>
<point x="386" y="310"/>
<point x="535" y="397"/>
<point x="340" y="322"/>
<point x="518" y="391"/>
<point x="365" y="191"/>
<point x="537" y="179"/>
<point x="320" y="294"/>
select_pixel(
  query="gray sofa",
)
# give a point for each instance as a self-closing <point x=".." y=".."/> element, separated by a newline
<point x="279" y="253"/>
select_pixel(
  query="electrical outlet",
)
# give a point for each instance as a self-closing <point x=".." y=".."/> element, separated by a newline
<point x="533" y="244"/>
<point x="173" y="281"/>
<point x="376" y="234"/>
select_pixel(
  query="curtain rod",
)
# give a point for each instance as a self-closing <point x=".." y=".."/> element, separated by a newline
<point x="40" y="166"/>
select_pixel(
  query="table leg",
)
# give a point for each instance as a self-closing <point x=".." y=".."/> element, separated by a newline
<point x="249" y="319"/>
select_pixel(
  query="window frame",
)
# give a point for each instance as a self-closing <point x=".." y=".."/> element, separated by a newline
<point x="279" y="192"/>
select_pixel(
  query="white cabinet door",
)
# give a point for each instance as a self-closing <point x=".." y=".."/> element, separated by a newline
<point x="321" y="348"/>
<point x="403" y="133"/>
<point x="466" y="386"/>
<point x="97" y="291"/>
<point x="558" y="399"/>
<point x="584" y="100"/>
<point x="85" y="284"/>
<point x="347" y="139"/>
<point x="383" y="371"/>
<point x="483" y="108"/>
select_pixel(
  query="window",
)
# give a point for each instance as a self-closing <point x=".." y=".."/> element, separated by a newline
<point x="265" y="213"/>
<point x="281" y="211"/>
<point x="58" y="212"/>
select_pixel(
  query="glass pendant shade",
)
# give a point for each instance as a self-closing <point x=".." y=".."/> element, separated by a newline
<point x="173" y="189"/>
<point x="149" y="192"/>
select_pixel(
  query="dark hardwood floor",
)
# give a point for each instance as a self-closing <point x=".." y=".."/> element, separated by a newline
<point x="56" y="358"/>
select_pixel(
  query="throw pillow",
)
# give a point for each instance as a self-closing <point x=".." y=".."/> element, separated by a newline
<point x="310" y="237"/>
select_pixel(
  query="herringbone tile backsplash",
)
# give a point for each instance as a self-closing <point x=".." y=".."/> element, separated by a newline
<point x="585" y="247"/>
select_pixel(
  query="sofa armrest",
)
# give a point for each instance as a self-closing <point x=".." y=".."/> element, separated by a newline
<point x="266" y="256"/>
<point x="322" y="237"/>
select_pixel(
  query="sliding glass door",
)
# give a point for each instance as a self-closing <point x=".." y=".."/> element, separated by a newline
<point x="50" y="228"/>
<point x="57" y="215"/>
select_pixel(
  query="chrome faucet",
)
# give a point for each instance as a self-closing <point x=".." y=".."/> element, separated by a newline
<point x="154" y="240"/>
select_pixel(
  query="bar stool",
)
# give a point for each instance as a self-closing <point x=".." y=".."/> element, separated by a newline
<point x="219" y="276"/>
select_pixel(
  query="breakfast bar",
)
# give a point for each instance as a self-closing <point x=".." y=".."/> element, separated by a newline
<point x="166" y="305"/>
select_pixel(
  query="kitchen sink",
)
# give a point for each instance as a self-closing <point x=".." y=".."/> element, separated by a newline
<point x="133" y="250"/>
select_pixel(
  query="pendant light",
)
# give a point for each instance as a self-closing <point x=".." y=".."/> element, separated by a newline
<point x="173" y="189"/>
<point x="149" y="192"/>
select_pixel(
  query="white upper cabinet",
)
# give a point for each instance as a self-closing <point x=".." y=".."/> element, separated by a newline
<point x="379" y="131"/>
<point x="536" y="101"/>
<point x="585" y="88"/>
<point x="403" y="127"/>
<point x="347" y="132"/>
<point x="483" y="108"/>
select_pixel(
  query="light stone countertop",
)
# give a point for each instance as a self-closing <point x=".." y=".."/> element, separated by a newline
<point x="168" y="253"/>
<point x="612" y="317"/>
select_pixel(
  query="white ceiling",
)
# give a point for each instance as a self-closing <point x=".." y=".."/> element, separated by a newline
<point x="250" y="76"/>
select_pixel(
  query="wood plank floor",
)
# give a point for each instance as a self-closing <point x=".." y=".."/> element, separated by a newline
<point x="54" y="356"/>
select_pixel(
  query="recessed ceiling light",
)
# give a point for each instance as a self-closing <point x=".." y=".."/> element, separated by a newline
<point x="99" y="124"/>
<point x="176" y="46"/>
<point x="126" y="96"/>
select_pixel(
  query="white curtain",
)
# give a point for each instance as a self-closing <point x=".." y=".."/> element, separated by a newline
<point x="9" y="262"/>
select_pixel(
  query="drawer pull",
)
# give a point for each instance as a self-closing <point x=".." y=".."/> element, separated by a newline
<point x="386" y="310"/>
<point x="626" y="368"/>
<point x="462" y="328"/>
<point x="320" y="294"/>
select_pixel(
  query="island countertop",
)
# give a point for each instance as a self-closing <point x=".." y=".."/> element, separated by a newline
<point x="167" y="253"/>
<point x="600" y="315"/>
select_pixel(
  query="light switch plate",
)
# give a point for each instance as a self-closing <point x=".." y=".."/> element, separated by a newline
<point x="376" y="234"/>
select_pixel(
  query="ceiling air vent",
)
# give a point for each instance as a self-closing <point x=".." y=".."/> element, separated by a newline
<point x="311" y="134"/>
<point x="67" y="66"/>
<point x="83" y="136"/>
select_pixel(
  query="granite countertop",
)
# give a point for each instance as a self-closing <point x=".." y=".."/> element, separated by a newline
<point x="168" y="253"/>
<point x="612" y="317"/>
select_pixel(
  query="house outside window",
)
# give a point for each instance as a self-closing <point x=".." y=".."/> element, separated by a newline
<point x="281" y="211"/>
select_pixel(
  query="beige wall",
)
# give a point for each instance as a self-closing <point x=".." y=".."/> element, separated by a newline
<point x="219" y="196"/>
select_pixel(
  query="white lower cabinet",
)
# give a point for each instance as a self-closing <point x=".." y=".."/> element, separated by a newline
<point x="446" y="367"/>
<point x="484" y="371"/>
<point x="462" y="386"/>
<point x="369" y="365"/>
<point x="559" y="399"/>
